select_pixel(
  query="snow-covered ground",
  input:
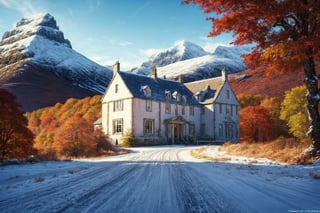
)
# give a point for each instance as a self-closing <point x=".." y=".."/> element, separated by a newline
<point x="160" y="179"/>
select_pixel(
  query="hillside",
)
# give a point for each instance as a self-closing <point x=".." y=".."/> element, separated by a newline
<point x="256" y="82"/>
<point x="40" y="67"/>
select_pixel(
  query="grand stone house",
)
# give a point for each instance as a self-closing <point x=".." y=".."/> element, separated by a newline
<point x="161" y="111"/>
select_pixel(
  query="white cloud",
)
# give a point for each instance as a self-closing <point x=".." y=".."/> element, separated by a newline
<point x="25" y="7"/>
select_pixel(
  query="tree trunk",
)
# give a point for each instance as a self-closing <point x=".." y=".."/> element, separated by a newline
<point x="313" y="97"/>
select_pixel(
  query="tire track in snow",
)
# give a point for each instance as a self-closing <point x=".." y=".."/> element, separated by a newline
<point x="195" y="195"/>
<point x="101" y="193"/>
<point x="39" y="199"/>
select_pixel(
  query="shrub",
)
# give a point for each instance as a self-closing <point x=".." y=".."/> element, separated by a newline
<point x="129" y="140"/>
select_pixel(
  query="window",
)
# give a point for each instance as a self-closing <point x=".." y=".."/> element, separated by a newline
<point x="148" y="105"/>
<point x="117" y="126"/>
<point x="148" y="126"/>
<point x="229" y="127"/>
<point x="191" y="130"/>
<point x="116" y="88"/>
<point x="178" y="98"/>
<point x="168" y="95"/>
<point x="229" y="110"/>
<point x="203" y="110"/>
<point x="183" y="109"/>
<point x="203" y="129"/>
<point x="146" y="91"/>
<point x="184" y="99"/>
<point x="176" y="109"/>
<point x="168" y="108"/>
<point x="220" y="108"/>
<point x="221" y="130"/>
<point x="228" y="94"/>
<point x="191" y="110"/>
<point x="118" y="105"/>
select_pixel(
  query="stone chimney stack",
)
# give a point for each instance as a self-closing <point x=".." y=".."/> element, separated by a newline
<point x="153" y="73"/>
<point x="180" y="79"/>
<point x="224" y="74"/>
<point x="116" y="68"/>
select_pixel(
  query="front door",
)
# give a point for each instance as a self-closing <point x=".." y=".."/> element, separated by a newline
<point x="177" y="132"/>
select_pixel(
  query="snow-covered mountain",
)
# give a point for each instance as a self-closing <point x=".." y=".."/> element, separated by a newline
<point x="193" y="62"/>
<point x="232" y="52"/>
<point x="37" y="45"/>
<point x="180" y="51"/>
<point x="204" y="67"/>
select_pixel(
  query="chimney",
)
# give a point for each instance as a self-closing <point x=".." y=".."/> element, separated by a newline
<point x="224" y="74"/>
<point x="153" y="73"/>
<point x="180" y="78"/>
<point x="116" y="68"/>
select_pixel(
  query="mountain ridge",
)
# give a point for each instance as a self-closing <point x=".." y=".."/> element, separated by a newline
<point x="192" y="62"/>
<point x="37" y="43"/>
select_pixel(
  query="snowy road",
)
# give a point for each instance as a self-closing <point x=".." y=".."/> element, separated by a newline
<point x="161" y="179"/>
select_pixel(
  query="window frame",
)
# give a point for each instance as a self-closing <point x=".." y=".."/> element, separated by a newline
<point x="117" y="124"/>
<point x="148" y="105"/>
<point x="116" y="88"/>
<point x="191" y="110"/>
<point x="167" y="108"/>
<point x="118" y="105"/>
<point x="148" y="126"/>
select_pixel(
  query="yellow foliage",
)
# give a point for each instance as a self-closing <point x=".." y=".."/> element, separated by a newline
<point x="294" y="112"/>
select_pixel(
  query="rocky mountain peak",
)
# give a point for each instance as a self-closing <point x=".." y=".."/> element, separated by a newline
<point x="42" y="24"/>
<point x="40" y="67"/>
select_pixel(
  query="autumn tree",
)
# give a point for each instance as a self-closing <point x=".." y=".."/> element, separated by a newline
<point x="286" y="35"/>
<point x="75" y="138"/>
<point x="16" y="140"/>
<point x="273" y="107"/>
<point x="294" y="112"/>
<point x="250" y="100"/>
<point x="46" y="122"/>
<point x="255" y="124"/>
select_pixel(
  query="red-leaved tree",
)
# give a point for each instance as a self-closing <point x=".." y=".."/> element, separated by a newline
<point x="255" y="124"/>
<point x="286" y="34"/>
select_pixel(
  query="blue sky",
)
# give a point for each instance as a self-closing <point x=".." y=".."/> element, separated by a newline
<point x="126" y="30"/>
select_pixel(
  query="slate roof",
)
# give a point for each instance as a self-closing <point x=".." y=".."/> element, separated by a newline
<point x="159" y="88"/>
<point x="207" y="89"/>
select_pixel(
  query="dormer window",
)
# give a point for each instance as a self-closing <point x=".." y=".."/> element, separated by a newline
<point x="197" y="95"/>
<point x="184" y="99"/>
<point x="176" y="96"/>
<point x="168" y="95"/>
<point x="146" y="91"/>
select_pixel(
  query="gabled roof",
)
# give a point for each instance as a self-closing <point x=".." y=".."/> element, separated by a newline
<point x="159" y="88"/>
<point x="208" y="89"/>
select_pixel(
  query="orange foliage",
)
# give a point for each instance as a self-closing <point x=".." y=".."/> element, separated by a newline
<point x="75" y="138"/>
<point x="281" y="30"/>
<point x="286" y="35"/>
<point x="255" y="124"/>
<point x="46" y="122"/>
<point x="16" y="140"/>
